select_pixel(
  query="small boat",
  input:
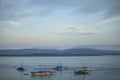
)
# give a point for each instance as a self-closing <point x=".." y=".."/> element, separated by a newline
<point x="59" y="68"/>
<point x="21" y="68"/>
<point x="83" y="70"/>
<point x="42" y="73"/>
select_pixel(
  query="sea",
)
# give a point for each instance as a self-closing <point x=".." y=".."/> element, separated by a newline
<point x="99" y="67"/>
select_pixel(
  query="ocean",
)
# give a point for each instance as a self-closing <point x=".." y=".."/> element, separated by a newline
<point x="99" y="67"/>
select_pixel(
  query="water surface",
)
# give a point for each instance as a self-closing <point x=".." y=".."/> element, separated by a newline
<point x="100" y="67"/>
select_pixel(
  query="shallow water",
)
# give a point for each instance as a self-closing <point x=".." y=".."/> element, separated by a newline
<point x="99" y="67"/>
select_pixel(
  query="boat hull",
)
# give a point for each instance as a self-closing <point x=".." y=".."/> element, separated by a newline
<point x="20" y="69"/>
<point x="45" y="73"/>
<point x="81" y="72"/>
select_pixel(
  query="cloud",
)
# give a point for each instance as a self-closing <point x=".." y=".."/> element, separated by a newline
<point x="108" y="20"/>
<point x="14" y="23"/>
<point x="110" y="8"/>
<point x="17" y="9"/>
<point x="78" y="30"/>
<point x="7" y="29"/>
<point x="12" y="10"/>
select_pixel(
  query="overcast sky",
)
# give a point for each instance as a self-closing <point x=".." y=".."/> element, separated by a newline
<point x="58" y="23"/>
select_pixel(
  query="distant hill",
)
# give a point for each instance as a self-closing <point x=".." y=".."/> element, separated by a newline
<point x="100" y="47"/>
<point x="28" y="52"/>
<point x="55" y="52"/>
<point x="87" y="51"/>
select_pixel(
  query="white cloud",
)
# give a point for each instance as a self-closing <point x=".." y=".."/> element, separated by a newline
<point x="108" y="20"/>
<point x="14" y="23"/>
<point x="78" y="30"/>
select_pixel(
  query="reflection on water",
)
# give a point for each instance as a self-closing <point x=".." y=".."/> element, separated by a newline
<point x="99" y="67"/>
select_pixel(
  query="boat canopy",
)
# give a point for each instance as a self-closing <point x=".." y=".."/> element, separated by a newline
<point x="59" y="67"/>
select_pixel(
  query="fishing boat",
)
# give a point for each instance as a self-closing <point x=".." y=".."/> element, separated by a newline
<point x="82" y="70"/>
<point x="42" y="73"/>
<point x="60" y="67"/>
<point x="21" y="68"/>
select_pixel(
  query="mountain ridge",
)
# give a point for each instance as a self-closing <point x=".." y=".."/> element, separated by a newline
<point x="56" y="52"/>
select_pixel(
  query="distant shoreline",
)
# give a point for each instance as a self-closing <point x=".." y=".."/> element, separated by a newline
<point x="55" y="55"/>
<point x="54" y="52"/>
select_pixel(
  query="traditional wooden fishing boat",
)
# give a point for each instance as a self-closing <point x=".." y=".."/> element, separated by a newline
<point x="82" y="70"/>
<point x="42" y="73"/>
<point x="59" y="68"/>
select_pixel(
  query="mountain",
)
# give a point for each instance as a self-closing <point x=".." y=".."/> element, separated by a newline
<point x="101" y="47"/>
<point x="87" y="51"/>
<point x="55" y="52"/>
<point x="28" y="51"/>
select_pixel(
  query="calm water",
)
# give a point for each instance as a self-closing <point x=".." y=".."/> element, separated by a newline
<point x="100" y="67"/>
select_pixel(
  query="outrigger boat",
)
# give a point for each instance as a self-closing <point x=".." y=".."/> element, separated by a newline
<point x="83" y="70"/>
<point x="42" y="73"/>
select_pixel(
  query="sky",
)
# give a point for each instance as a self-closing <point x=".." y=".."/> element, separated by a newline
<point x="59" y="24"/>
